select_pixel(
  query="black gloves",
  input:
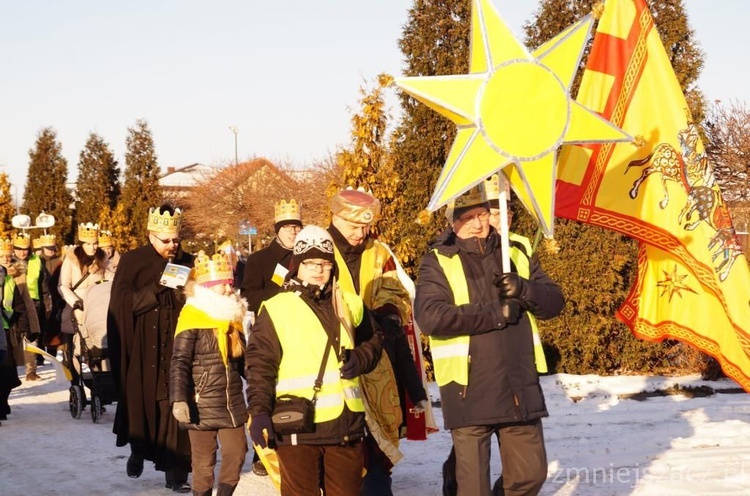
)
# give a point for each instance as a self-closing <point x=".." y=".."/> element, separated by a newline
<point x="354" y="364"/>
<point x="510" y="312"/>
<point x="258" y="424"/>
<point x="510" y="285"/>
<point x="78" y="305"/>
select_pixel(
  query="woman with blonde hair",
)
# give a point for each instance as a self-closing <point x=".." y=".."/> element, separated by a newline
<point x="205" y="377"/>
<point x="83" y="266"/>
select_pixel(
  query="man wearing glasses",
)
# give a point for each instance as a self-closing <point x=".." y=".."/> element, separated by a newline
<point x="479" y="320"/>
<point x="266" y="269"/>
<point x="143" y="315"/>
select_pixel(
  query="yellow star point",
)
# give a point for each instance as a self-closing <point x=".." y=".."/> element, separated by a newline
<point x="672" y="284"/>
<point x="513" y="108"/>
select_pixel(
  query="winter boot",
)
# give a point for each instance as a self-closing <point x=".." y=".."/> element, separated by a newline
<point x="226" y="490"/>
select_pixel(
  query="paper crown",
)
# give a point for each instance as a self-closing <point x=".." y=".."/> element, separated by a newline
<point x="164" y="223"/>
<point x="88" y="233"/>
<point x="6" y="247"/>
<point x="105" y="239"/>
<point x="48" y="240"/>
<point x="356" y="205"/>
<point x="473" y="197"/>
<point x="216" y="269"/>
<point x="284" y="210"/>
<point x="22" y="240"/>
<point x="492" y="188"/>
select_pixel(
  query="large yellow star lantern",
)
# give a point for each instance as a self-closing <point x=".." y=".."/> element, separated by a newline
<point x="513" y="111"/>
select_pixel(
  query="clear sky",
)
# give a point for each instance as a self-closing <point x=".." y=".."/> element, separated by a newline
<point x="286" y="74"/>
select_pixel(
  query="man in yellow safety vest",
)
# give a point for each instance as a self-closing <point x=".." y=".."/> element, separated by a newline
<point x="480" y="323"/>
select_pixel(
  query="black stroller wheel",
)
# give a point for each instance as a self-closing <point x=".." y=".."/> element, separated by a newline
<point x="96" y="409"/>
<point x="76" y="401"/>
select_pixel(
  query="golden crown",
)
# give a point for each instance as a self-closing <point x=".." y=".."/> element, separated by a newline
<point x="164" y="223"/>
<point x="105" y="238"/>
<point x="492" y="187"/>
<point x="284" y="210"/>
<point x="22" y="240"/>
<point x="212" y="269"/>
<point x="476" y="195"/>
<point x="356" y="205"/>
<point x="46" y="240"/>
<point x="6" y="247"/>
<point x="88" y="233"/>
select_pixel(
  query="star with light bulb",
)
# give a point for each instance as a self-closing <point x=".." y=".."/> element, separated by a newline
<point x="513" y="111"/>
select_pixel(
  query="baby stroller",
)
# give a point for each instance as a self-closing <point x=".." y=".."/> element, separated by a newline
<point x="91" y="356"/>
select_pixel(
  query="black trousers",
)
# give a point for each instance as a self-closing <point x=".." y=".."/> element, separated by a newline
<point x="522" y="453"/>
<point x="337" y="468"/>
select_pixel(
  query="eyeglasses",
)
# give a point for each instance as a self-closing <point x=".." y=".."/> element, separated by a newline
<point x="174" y="241"/>
<point x="290" y="227"/>
<point x="319" y="266"/>
<point x="470" y="218"/>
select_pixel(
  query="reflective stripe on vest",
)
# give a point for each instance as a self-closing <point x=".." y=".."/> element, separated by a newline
<point x="450" y="356"/>
<point x="33" y="272"/>
<point x="300" y="332"/>
<point x="10" y="286"/>
<point x="521" y="261"/>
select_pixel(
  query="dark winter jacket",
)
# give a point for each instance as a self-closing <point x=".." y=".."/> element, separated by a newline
<point x="264" y="355"/>
<point x="140" y="332"/>
<point x="503" y="382"/>
<point x="257" y="285"/>
<point x="198" y="373"/>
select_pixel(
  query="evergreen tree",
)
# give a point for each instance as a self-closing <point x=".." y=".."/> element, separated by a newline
<point x="595" y="267"/>
<point x="46" y="180"/>
<point x="97" y="185"/>
<point x="434" y="41"/>
<point x="141" y="189"/>
<point x="7" y="208"/>
<point x="368" y="162"/>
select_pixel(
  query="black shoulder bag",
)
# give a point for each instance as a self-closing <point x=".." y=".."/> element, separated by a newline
<point x="295" y="414"/>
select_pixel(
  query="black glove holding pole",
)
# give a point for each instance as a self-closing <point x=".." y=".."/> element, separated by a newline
<point x="512" y="286"/>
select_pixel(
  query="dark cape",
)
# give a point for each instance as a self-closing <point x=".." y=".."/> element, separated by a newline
<point x="142" y="320"/>
<point x="257" y="285"/>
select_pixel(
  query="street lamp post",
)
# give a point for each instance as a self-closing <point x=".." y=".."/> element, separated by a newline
<point x="235" y="131"/>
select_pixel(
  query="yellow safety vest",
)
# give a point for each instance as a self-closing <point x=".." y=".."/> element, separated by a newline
<point x="33" y="272"/>
<point x="450" y="356"/>
<point x="303" y="342"/>
<point x="10" y="286"/>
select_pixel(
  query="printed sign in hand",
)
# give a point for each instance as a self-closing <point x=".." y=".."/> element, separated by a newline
<point x="174" y="275"/>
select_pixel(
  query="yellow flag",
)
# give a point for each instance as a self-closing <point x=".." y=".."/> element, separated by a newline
<point x="693" y="280"/>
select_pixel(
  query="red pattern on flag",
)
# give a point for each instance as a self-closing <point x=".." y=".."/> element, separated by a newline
<point x="693" y="281"/>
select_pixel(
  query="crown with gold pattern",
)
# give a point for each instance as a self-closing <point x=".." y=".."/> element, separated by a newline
<point x="46" y="240"/>
<point x="105" y="238"/>
<point x="492" y="189"/>
<point x="88" y="233"/>
<point x="356" y="205"/>
<point x="22" y="241"/>
<point x="475" y="196"/>
<point x="164" y="223"/>
<point x="208" y="271"/>
<point x="286" y="211"/>
<point x="6" y="247"/>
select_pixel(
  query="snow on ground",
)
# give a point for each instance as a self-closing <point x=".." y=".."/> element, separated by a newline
<point x="601" y="440"/>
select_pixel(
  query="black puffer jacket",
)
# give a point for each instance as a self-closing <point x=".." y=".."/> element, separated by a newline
<point x="199" y="377"/>
<point x="503" y="382"/>
<point x="264" y="355"/>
